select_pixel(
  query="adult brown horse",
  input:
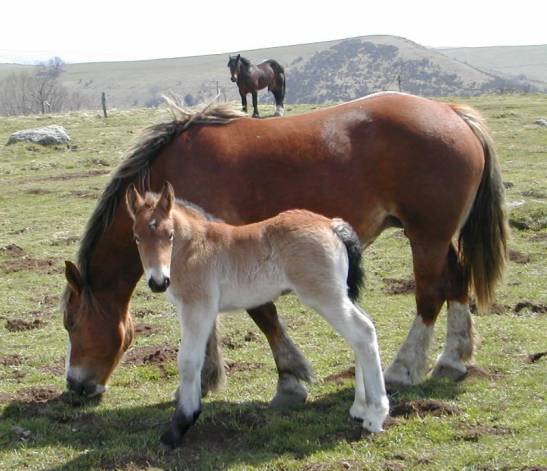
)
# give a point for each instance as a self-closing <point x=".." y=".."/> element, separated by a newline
<point x="251" y="78"/>
<point x="386" y="160"/>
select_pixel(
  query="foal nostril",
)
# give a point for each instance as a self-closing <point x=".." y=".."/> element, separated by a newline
<point x="158" y="287"/>
<point x="166" y="282"/>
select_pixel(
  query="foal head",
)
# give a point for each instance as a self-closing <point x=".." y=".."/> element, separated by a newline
<point x="153" y="231"/>
<point x="234" y="64"/>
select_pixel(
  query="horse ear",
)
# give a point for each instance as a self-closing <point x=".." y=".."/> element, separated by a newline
<point x="73" y="277"/>
<point x="167" y="197"/>
<point x="238" y="57"/>
<point x="133" y="200"/>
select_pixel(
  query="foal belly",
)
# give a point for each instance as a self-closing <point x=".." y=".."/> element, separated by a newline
<point x="245" y="296"/>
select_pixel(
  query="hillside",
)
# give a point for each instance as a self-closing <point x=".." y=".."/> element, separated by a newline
<point x="317" y="73"/>
<point x="506" y="61"/>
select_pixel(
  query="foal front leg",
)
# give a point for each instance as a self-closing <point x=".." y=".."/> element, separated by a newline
<point x="243" y="102"/>
<point x="255" y="105"/>
<point x="196" y="324"/>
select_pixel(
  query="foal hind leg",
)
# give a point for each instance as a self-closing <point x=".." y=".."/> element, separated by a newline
<point x="460" y="338"/>
<point x="371" y="404"/>
<point x="410" y="364"/>
<point x="291" y="365"/>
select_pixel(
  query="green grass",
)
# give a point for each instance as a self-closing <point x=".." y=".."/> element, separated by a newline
<point x="499" y="422"/>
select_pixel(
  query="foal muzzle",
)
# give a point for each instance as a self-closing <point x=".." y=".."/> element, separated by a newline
<point x="159" y="287"/>
<point x="233" y="79"/>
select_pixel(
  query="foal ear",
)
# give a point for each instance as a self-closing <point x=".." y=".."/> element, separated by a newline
<point x="133" y="200"/>
<point x="73" y="277"/>
<point x="238" y="57"/>
<point x="167" y="197"/>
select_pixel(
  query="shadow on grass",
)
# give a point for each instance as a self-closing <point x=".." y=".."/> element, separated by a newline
<point x="227" y="433"/>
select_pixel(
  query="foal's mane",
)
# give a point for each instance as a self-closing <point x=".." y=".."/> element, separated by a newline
<point x="135" y="167"/>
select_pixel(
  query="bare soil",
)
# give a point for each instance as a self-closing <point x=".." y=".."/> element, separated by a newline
<point x="11" y="360"/>
<point x="399" y="286"/>
<point x="233" y="367"/>
<point x="422" y="407"/>
<point x="18" y="325"/>
<point x="536" y="308"/>
<point x="339" y="378"/>
<point x="518" y="257"/>
<point x="73" y="175"/>
<point x="150" y="355"/>
<point x="536" y="356"/>
<point x="146" y="330"/>
<point x="85" y="194"/>
<point x="472" y="433"/>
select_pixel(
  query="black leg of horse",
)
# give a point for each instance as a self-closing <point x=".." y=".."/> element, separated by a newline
<point x="291" y="365"/>
<point x="243" y="102"/>
<point x="255" y="105"/>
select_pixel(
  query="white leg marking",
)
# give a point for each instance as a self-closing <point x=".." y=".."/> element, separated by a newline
<point x="410" y="364"/>
<point x="279" y="110"/>
<point x="197" y="324"/>
<point x="459" y="338"/>
<point x="371" y="403"/>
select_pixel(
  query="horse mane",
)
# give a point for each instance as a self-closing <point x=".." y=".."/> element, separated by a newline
<point x="136" y="165"/>
<point x="244" y="61"/>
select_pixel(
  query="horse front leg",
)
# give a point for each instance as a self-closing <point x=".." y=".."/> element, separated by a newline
<point x="255" y="105"/>
<point x="291" y="365"/>
<point x="196" y="325"/>
<point x="243" y="101"/>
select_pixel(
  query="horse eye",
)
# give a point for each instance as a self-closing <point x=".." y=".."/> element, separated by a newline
<point x="137" y="240"/>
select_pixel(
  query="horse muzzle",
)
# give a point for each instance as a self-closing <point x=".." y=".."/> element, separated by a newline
<point x="85" y="388"/>
<point x="159" y="287"/>
<point x="233" y="79"/>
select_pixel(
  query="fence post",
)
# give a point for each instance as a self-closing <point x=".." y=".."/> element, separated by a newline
<point x="103" y="101"/>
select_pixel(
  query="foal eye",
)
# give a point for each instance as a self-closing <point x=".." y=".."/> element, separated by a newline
<point x="137" y="240"/>
<point x="171" y="235"/>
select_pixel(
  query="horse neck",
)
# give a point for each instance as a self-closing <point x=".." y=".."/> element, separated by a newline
<point x="114" y="266"/>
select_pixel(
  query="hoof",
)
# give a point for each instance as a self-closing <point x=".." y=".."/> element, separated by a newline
<point x="453" y="372"/>
<point x="178" y="427"/>
<point x="399" y="376"/>
<point x="290" y="393"/>
<point x="372" y="416"/>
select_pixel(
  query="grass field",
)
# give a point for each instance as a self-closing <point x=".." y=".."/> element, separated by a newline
<point x="494" y="419"/>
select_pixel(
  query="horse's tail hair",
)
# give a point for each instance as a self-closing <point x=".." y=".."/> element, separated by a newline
<point x="483" y="238"/>
<point x="280" y="72"/>
<point x="356" y="274"/>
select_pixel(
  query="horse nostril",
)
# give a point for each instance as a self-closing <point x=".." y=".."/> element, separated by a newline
<point x="166" y="282"/>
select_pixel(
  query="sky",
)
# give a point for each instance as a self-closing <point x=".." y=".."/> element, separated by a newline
<point x="99" y="30"/>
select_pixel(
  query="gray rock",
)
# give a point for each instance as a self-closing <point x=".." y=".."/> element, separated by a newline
<point x="47" y="135"/>
<point x="541" y="122"/>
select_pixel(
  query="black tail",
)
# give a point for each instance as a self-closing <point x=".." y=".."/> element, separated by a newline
<point x="356" y="274"/>
<point x="280" y="72"/>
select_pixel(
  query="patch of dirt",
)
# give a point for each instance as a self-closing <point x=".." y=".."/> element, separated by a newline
<point x="38" y="394"/>
<point x="38" y="191"/>
<point x="11" y="360"/>
<point x="534" y="193"/>
<point x="18" y="325"/>
<point x="143" y="313"/>
<point x="65" y="241"/>
<point x="13" y="250"/>
<point x="151" y="355"/>
<point x="535" y="357"/>
<point x="26" y="263"/>
<point x="539" y="237"/>
<point x="85" y="194"/>
<point x="472" y="433"/>
<point x="233" y="367"/>
<point x="519" y="257"/>
<point x="423" y="407"/>
<point x="146" y="329"/>
<point x="50" y="300"/>
<point x="251" y="337"/>
<point x="399" y="286"/>
<point x="495" y="308"/>
<point x="339" y="378"/>
<point x="56" y="368"/>
<point x="229" y="343"/>
<point x="536" y="308"/>
<point x="73" y="175"/>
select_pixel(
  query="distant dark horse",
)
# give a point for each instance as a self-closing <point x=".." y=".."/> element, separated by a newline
<point x="251" y="78"/>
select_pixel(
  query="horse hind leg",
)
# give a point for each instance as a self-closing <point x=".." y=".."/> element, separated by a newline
<point x="293" y="369"/>
<point x="460" y="335"/>
<point x="411" y="362"/>
<point x="279" y="108"/>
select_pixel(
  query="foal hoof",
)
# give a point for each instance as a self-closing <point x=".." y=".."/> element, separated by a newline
<point x="171" y="438"/>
